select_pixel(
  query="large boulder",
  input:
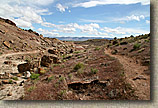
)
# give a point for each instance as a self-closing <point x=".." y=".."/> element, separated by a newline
<point x="24" y="67"/>
<point x="49" y="59"/>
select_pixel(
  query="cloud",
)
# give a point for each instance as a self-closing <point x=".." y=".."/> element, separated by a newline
<point x="22" y="12"/>
<point x="93" y="3"/>
<point x="124" y="31"/>
<point x="137" y="18"/>
<point x="92" y="21"/>
<point x="61" y="8"/>
<point x="47" y="33"/>
<point x="148" y="21"/>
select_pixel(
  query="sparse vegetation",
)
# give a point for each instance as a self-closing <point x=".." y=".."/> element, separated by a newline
<point x="70" y="75"/>
<point x="94" y="70"/>
<point x="50" y="78"/>
<point x="76" y="52"/>
<point x="31" y="88"/>
<point x="97" y="48"/>
<point x="15" y="78"/>
<point x="10" y="81"/>
<point x="78" y="66"/>
<point x="61" y="79"/>
<point x="34" y="76"/>
<point x="136" y="46"/>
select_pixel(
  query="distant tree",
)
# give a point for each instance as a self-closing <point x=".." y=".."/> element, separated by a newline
<point x="115" y="38"/>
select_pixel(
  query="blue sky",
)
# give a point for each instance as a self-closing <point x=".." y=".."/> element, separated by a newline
<point x="80" y="18"/>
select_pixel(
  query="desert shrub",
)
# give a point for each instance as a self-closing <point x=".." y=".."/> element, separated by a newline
<point x="136" y="46"/>
<point x="15" y="78"/>
<point x="76" y="52"/>
<point x="50" y="78"/>
<point x="34" y="76"/>
<point x="70" y="76"/>
<point x="94" y="71"/>
<point x="62" y="92"/>
<point x="61" y="79"/>
<point x="141" y="50"/>
<point x="114" y="51"/>
<point x="123" y="43"/>
<point x="31" y="88"/>
<point x="97" y="48"/>
<point x="115" y="42"/>
<point x="125" y="48"/>
<point x="78" y="66"/>
<point x="10" y="81"/>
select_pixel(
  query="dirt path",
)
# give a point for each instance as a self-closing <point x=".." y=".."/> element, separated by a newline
<point x="18" y="53"/>
<point x="135" y="76"/>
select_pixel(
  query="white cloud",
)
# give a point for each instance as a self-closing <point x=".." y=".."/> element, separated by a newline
<point x="48" y="33"/>
<point x="148" y="21"/>
<point x="137" y="18"/>
<point x="23" y="13"/>
<point x="93" y="3"/>
<point x="124" y="31"/>
<point x="61" y="8"/>
<point x="92" y="21"/>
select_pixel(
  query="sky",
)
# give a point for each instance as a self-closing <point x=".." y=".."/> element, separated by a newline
<point x="80" y="18"/>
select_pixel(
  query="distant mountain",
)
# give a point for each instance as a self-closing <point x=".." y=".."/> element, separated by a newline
<point x="80" y="38"/>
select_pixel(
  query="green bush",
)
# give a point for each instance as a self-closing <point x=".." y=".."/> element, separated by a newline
<point x="61" y="79"/>
<point x="76" y="52"/>
<point x="50" y="78"/>
<point x="15" y="78"/>
<point x="78" y="66"/>
<point x="136" y="46"/>
<point x="94" y="71"/>
<point x="31" y="88"/>
<point x="34" y="76"/>
<point x="10" y="81"/>
<point x="97" y="48"/>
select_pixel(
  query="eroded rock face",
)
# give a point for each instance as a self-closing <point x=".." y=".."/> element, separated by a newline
<point x="24" y="67"/>
<point x="48" y="59"/>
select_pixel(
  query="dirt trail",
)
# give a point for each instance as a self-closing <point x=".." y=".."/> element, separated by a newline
<point x="18" y="53"/>
<point x="135" y="75"/>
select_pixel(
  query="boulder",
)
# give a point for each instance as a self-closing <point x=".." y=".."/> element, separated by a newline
<point x="52" y="51"/>
<point x="5" y="81"/>
<point x="27" y="74"/>
<point x="6" y="44"/>
<point x="7" y="62"/>
<point x="114" y="51"/>
<point x="49" y="59"/>
<point x="24" y="67"/>
<point x="79" y="48"/>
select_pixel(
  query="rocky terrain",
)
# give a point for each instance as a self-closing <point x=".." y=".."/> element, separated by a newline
<point x="33" y="67"/>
